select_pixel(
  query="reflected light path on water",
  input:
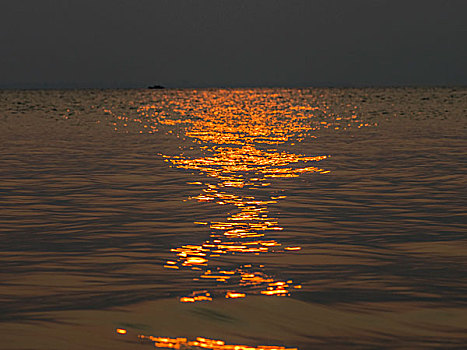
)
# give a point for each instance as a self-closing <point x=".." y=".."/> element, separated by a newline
<point x="240" y="142"/>
<point x="184" y="343"/>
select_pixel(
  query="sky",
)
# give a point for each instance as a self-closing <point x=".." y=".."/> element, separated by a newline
<point x="231" y="43"/>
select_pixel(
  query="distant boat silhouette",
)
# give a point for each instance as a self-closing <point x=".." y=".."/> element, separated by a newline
<point x="156" y="87"/>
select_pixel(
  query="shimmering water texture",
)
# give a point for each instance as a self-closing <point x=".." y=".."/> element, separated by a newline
<point x="238" y="133"/>
<point x="202" y="343"/>
<point x="177" y="343"/>
<point x="187" y="219"/>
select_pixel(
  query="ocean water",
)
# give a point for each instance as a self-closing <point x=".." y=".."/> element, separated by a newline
<point x="299" y="218"/>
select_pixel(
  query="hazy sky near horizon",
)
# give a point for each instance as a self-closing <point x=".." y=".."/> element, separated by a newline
<point x="197" y="43"/>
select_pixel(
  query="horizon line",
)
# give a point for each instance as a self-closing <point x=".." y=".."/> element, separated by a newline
<point x="234" y="86"/>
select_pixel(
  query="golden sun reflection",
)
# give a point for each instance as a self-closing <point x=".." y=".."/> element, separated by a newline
<point x="246" y="140"/>
<point x="202" y="343"/>
<point x="240" y="141"/>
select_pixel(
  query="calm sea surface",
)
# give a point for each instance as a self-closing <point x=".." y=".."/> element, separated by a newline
<point x="302" y="218"/>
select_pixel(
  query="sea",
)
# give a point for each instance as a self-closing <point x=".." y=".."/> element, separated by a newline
<point x="262" y="218"/>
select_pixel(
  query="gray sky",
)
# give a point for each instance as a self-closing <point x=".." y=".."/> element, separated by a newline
<point x="179" y="43"/>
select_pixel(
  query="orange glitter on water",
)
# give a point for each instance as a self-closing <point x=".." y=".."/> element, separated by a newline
<point x="234" y="295"/>
<point x="239" y="136"/>
<point x="203" y="343"/>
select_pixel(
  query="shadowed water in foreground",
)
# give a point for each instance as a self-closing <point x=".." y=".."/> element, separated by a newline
<point x="300" y="218"/>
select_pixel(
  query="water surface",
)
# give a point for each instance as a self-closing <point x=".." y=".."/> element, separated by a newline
<point x="309" y="218"/>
